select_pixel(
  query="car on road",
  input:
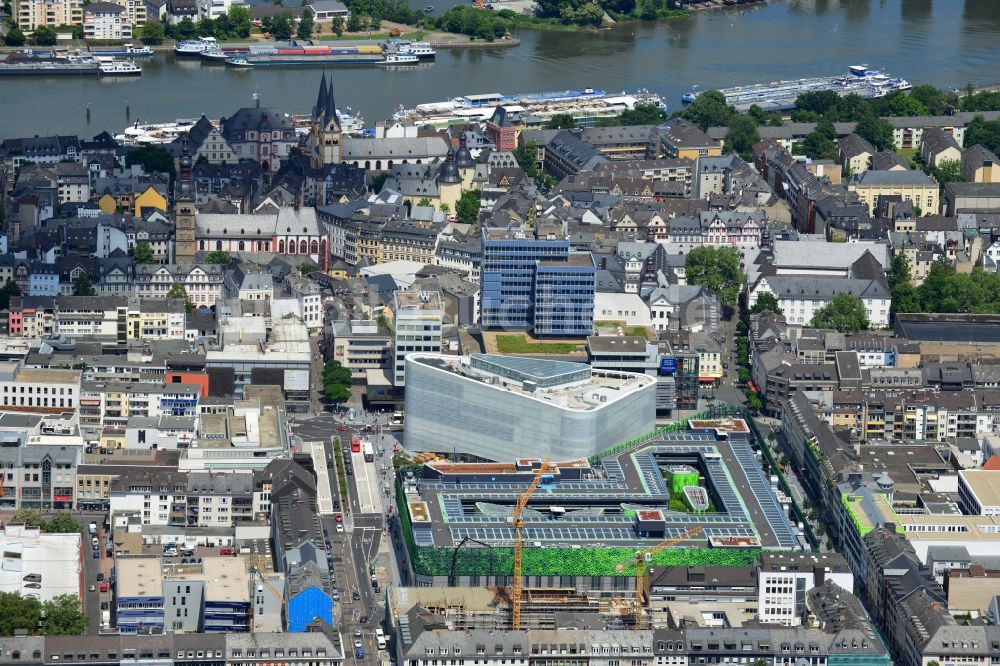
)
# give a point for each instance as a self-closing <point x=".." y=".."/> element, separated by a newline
<point x="339" y="517"/>
<point x="105" y="605"/>
<point x="340" y="528"/>
<point x="359" y="653"/>
<point x="93" y="588"/>
<point x="97" y="554"/>
<point x="357" y="633"/>
<point x="341" y="428"/>
<point x="364" y="619"/>
<point x="356" y="595"/>
<point x="100" y="577"/>
<point x="336" y="595"/>
<point x="358" y="643"/>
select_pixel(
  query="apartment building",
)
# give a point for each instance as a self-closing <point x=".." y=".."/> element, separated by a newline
<point x="202" y="282"/>
<point x="110" y="405"/>
<point x="31" y="14"/>
<point x="38" y="390"/>
<point x="419" y="319"/>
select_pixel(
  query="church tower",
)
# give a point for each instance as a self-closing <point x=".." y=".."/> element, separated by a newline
<point x="184" y="211"/>
<point x="326" y="134"/>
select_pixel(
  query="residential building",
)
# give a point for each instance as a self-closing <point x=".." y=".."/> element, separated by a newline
<point x="855" y="153"/>
<point x="490" y="406"/>
<point x="783" y="579"/>
<point x="970" y="197"/>
<point x="681" y="139"/>
<point x="202" y="282"/>
<point x="419" y="316"/>
<point x="938" y="146"/>
<point x="980" y="165"/>
<point x="264" y="135"/>
<point x="913" y="186"/>
<point x="38" y="390"/>
<point x="213" y="9"/>
<point x="31" y="14"/>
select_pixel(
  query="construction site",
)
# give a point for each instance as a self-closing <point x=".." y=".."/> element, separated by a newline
<point x="577" y="536"/>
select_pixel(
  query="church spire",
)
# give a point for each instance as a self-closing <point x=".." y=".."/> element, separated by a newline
<point x="331" y="106"/>
<point x="321" y="98"/>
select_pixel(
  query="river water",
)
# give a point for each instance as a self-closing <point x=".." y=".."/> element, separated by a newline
<point x="943" y="42"/>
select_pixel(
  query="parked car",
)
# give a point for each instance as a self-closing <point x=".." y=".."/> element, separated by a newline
<point x="100" y="577"/>
<point x="226" y="551"/>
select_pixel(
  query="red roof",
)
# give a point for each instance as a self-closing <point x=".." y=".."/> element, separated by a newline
<point x="993" y="463"/>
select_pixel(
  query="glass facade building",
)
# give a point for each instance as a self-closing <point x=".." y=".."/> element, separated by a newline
<point x="450" y="408"/>
<point x="535" y="284"/>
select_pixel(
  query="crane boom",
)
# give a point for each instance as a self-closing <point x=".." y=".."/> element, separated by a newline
<point x="642" y="559"/>
<point x="522" y="502"/>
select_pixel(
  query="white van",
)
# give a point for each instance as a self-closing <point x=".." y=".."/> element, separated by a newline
<point x="380" y="638"/>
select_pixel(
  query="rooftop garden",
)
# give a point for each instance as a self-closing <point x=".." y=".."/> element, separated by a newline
<point x="519" y="344"/>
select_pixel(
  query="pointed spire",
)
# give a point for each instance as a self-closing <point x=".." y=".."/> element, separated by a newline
<point x="320" y="107"/>
<point x="331" y="106"/>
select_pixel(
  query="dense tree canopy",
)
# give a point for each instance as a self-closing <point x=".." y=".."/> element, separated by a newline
<point x="220" y="257"/>
<point x="152" y="158"/>
<point x="143" y="253"/>
<point x="336" y="381"/>
<point x="845" y="313"/>
<point x="467" y="209"/>
<point x="766" y="301"/>
<point x="877" y="131"/>
<point x="709" y="109"/>
<point x="561" y="121"/>
<point x="83" y="286"/>
<point x="64" y="616"/>
<point x="985" y="132"/>
<point x="717" y="269"/>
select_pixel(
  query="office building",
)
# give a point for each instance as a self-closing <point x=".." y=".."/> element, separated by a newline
<point x="419" y="316"/>
<point x="533" y="282"/>
<point x="501" y="408"/>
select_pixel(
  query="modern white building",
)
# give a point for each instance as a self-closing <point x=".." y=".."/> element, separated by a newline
<point x="979" y="491"/>
<point x="52" y="562"/>
<point x="784" y="578"/>
<point x="105" y="20"/>
<point x="503" y="407"/>
<point x="419" y="317"/>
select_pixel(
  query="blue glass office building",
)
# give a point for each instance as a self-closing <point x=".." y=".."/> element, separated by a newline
<point x="535" y="284"/>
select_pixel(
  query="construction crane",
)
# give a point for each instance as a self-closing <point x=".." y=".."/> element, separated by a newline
<point x="642" y="560"/>
<point x="518" y="524"/>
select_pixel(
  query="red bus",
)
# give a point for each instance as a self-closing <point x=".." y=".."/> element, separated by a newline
<point x="355" y="446"/>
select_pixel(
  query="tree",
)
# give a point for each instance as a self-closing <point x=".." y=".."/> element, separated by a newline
<point x="467" y="208"/>
<point x="220" y="257"/>
<point x="76" y="31"/>
<point x="561" y="121"/>
<point x="14" y="37"/>
<point x="354" y="22"/>
<point x="717" y="269"/>
<point x="281" y="26"/>
<point x="27" y="517"/>
<point x="424" y="202"/>
<point x="820" y="143"/>
<point x="9" y="289"/>
<point x="153" y="32"/>
<point x="948" y="171"/>
<point x="337" y="25"/>
<point x="305" y="30"/>
<point x="44" y="36"/>
<point x="336" y="381"/>
<point x="17" y="612"/>
<point x="876" y="130"/>
<point x="526" y="156"/>
<point x="178" y="291"/>
<point x="240" y="21"/>
<point x="898" y="103"/>
<point x="184" y="29"/>
<point x="143" y="253"/>
<point x="62" y="523"/>
<point x="985" y="132"/>
<point x="820" y="102"/>
<point x="741" y="136"/>
<point x="709" y="109"/>
<point x="378" y="181"/>
<point x="766" y="301"/>
<point x="937" y="102"/>
<point x="845" y="313"/>
<point x="153" y="159"/>
<point x="307" y="268"/>
<point x="83" y="287"/>
<point x="64" y="616"/>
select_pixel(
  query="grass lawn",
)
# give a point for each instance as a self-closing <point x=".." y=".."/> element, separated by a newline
<point x="415" y="36"/>
<point x="518" y="344"/>
<point x="908" y="154"/>
<point x="635" y="330"/>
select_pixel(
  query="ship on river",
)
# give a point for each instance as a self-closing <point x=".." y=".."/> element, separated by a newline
<point x="586" y="106"/>
<point x="780" y="95"/>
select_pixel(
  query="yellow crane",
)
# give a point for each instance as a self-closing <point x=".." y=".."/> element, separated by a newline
<point x="642" y="560"/>
<point x="518" y="524"/>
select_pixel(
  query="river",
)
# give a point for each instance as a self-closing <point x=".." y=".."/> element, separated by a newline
<point x="944" y="42"/>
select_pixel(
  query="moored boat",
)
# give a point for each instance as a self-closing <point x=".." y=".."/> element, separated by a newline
<point x="400" y="59"/>
<point x="126" y="49"/>
<point x="111" y="66"/>
<point x="193" y="47"/>
<point x="215" y="55"/>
